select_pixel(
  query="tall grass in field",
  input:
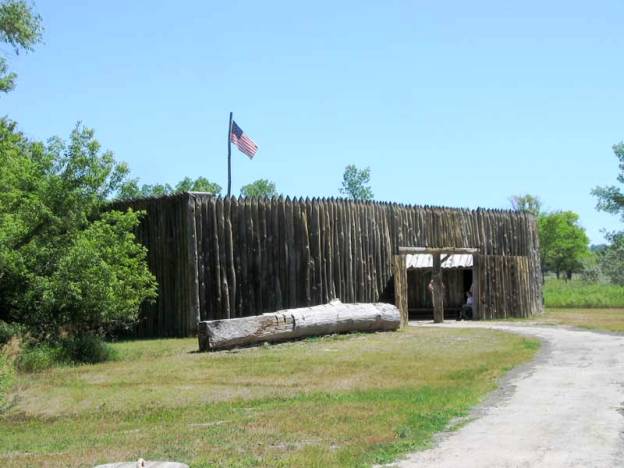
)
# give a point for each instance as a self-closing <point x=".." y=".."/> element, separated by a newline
<point x="579" y="293"/>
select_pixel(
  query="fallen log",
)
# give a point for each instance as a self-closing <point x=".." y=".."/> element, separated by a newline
<point x="289" y="324"/>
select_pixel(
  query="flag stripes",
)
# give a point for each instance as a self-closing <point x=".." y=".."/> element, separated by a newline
<point x="245" y="144"/>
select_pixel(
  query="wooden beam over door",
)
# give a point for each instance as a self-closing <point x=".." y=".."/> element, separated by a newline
<point x="432" y="250"/>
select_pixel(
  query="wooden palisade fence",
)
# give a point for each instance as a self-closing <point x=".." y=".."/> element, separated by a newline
<point x="218" y="258"/>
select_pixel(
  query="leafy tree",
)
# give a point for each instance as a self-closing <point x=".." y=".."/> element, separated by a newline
<point x="563" y="242"/>
<point x="527" y="203"/>
<point x="611" y="259"/>
<point x="611" y="200"/>
<point x="591" y="271"/>
<point x="99" y="276"/>
<point x="131" y="190"/>
<point x="356" y="183"/>
<point x="598" y="249"/>
<point x="20" y="28"/>
<point x="259" y="188"/>
<point x="610" y="197"/>
<point x="201" y="184"/>
<point x="157" y="190"/>
<point x="66" y="263"/>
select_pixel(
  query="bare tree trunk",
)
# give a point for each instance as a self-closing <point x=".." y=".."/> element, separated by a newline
<point x="334" y="317"/>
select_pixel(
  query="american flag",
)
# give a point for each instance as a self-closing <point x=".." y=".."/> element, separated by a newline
<point x="245" y="144"/>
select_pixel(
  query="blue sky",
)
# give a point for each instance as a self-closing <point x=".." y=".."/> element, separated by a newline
<point x="449" y="103"/>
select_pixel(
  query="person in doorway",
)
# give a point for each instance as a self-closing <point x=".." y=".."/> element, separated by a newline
<point x="465" y="313"/>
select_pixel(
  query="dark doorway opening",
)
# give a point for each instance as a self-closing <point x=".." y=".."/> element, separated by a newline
<point x="457" y="282"/>
<point x="467" y="280"/>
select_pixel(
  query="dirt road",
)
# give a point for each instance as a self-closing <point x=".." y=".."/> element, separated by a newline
<point x="566" y="409"/>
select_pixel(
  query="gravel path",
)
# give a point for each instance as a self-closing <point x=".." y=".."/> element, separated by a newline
<point x="563" y="410"/>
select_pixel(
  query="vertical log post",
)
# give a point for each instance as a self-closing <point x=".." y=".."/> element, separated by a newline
<point x="438" y="290"/>
<point x="400" y="288"/>
<point x="476" y="286"/>
<point x="192" y="278"/>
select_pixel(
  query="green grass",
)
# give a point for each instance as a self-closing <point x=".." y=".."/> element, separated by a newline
<point x="611" y="320"/>
<point x="338" y="401"/>
<point x="577" y="293"/>
<point x="7" y="377"/>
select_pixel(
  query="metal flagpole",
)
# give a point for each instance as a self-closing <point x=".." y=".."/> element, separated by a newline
<point x="230" y="157"/>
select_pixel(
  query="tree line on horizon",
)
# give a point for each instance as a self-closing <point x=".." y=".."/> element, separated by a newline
<point x="564" y="244"/>
<point x="355" y="185"/>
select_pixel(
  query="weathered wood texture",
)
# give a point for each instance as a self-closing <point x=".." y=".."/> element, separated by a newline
<point x="233" y="257"/>
<point x="401" y="289"/>
<point x="437" y="290"/>
<point x="166" y="230"/>
<point x="289" y="324"/>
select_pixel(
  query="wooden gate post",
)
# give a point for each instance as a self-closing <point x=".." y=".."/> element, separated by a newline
<point x="400" y="287"/>
<point x="476" y="285"/>
<point x="438" y="289"/>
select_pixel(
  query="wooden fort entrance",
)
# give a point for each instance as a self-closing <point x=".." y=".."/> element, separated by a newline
<point x="415" y="267"/>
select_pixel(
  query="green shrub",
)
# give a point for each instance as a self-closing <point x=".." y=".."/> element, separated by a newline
<point x="36" y="358"/>
<point x="10" y="330"/>
<point x="87" y="349"/>
<point x="83" y="349"/>
<point x="103" y="277"/>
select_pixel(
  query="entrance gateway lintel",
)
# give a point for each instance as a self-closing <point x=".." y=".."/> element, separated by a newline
<point x="436" y="250"/>
<point x="400" y="278"/>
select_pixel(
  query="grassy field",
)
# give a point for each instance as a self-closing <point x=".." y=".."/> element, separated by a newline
<point x="611" y="320"/>
<point x="595" y="306"/>
<point x="337" y="401"/>
<point x="577" y="293"/>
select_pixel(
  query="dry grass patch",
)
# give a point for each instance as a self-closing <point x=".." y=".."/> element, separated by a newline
<point x="611" y="320"/>
<point x="335" y="401"/>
